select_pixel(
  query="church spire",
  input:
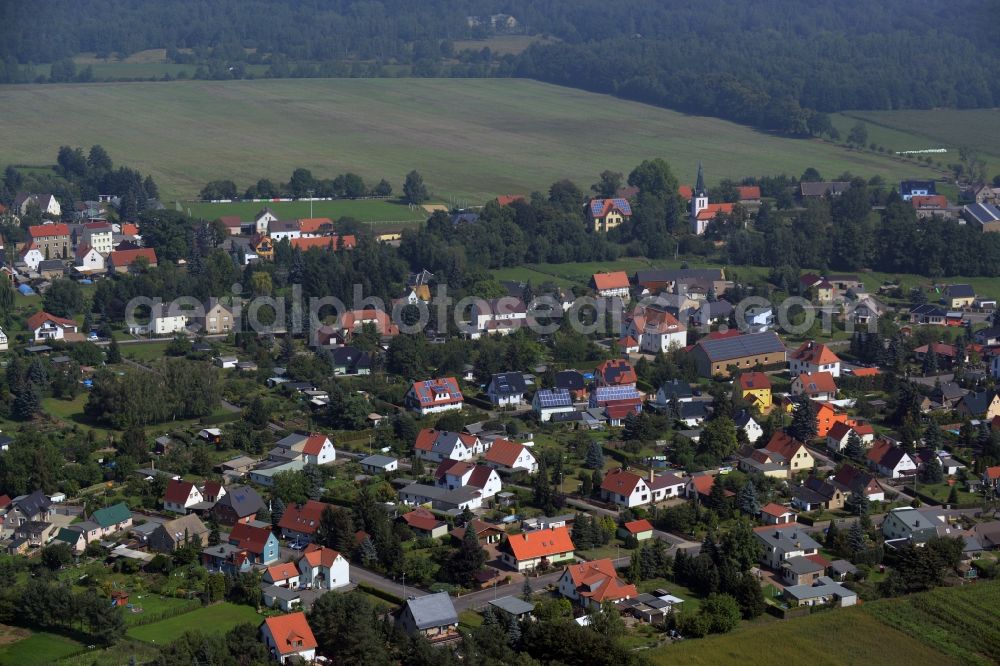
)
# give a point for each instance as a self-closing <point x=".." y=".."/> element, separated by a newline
<point x="699" y="186"/>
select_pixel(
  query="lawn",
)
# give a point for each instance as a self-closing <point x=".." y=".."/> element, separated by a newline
<point x="145" y="351"/>
<point x="383" y="212"/>
<point x="123" y="653"/>
<point x="216" y="619"/>
<point x="940" y="492"/>
<point x="950" y="129"/>
<point x="471" y="139"/>
<point x="154" y="605"/>
<point x="844" y="636"/>
<point x="38" y="648"/>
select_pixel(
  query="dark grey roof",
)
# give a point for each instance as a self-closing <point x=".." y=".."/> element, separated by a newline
<point x="508" y="383"/>
<point x="433" y="610"/>
<point x="693" y="410"/>
<point x="378" y="460"/>
<point x="928" y="310"/>
<point x="742" y="345"/>
<point x="983" y="213"/>
<point x="675" y="389"/>
<point x="351" y="357"/>
<point x="822" y="188"/>
<point x="33" y="504"/>
<point x="51" y="265"/>
<point x="908" y="186"/>
<point x="283" y="593"/>
<point x="807" y="495"/>
<point x="464" y="218"/>
<point x="244" y="500"/>
<point x="513" y="605"/>
<point x="787" y="538"/>
<point x="801" y="565"/>
<point x="570" y="379"/>
<point x="977" y="403"/>
<point x="960" y="291"/>
<point x="843" y="567"/>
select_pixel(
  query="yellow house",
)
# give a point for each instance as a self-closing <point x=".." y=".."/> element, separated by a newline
<point x="959" y="296"/>
<point x="264" y="247"/>
<point x="607" y="214"/>
<point x="756" y="387"/>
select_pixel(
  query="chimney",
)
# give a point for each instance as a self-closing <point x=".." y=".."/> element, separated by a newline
<point x="651" y="476"/>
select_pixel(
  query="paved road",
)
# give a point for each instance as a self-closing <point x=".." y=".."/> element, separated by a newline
<point x="691" y="547"/>
<point x="361" y="575"/>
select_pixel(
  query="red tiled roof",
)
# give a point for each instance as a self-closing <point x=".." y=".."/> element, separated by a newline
<point x="540" y="543"/>
<point x="817" y="382"/>
<point x="638" y="526"/>
<point x="130" y="229"/>
<point x="783" y="444"/>
<point x="721" y="335"/>
<point x="993" y="473"/>
<point x="480" y="476"/>
<point x="427" y="392"/>
<point x="815" y="354"/>
<point x="839" y="431"/>
<point x="627" y="342"/>
<point x="39" y="318"/>
<point x="775" y="510"/>
<point x="940" y="348"/>
<point x="291" y="633"/>
<point x="864" y="372"/>
<point x="929" y="201"/>
<point x="686" y="192"/>
<point x="314" y="444"/>
<point x="508" y="199"/>
<point x="457" y="468"/>
<point x="231" y="221"/>
<point x="128" y="257"/>
<point x="504" y="452"/>
<point x="320" y="556"/>
<point x="749" y="192"/>
<point x="615" y="372"/>
<point x="598" y="580"/>
<point x="710" y="212"/>
<point x="178" y="491"/>
<point x="616" y="280"/>
<point x="311" y="225"/>
<point x="750" y="381"/>
<point x="251" y="538"/>
<point x="48" y="230"/>
<point x="282" y="571"/>
<point x="303" y="518"/>
<point x="421" y="519"/>
<point x="348" y="242"/>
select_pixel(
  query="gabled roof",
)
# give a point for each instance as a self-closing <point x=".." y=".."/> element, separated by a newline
<point x="570" y="380"/>
<point x="540" y="543"/>
<point x="348" y="242"/>
<point x="601" y="207"/>
<point x="814" y="354"/>
<point x="676" y="389"/>
<point x="310" y="225"/>
<point x="432" y="610"/>
<point x="443" y="441"/>
<point x="243" y="500"/>
<point x="754" y="381"/>
<point x="112" y="515"/>
<point x="553" y="398"/>
<point x="775" y="510"/>
<point x="36" y="320"/>
<point x="638" y="526"/>
<point x="320" y="556"/>
<point x="441" y="391"/>
<point x="978" y="403"/>
<point x="291" y="633"/>
<point x="282" y="571"/>
<point x="621" y="482"/>
<point x="929" y="202"/>
<point x="303" y="518"/>
<point x="711" y="211"/>
<point x="615" y="372"/>
<point x="230" y="221"/>
<point x="178" y="491"/>
<point x="667" y="480"/>
<point x="599" y="582"/>
<point x="504" y="452"/>
<point x="189" y="525"/>
<point x="748" y="192"/>
<point x="783" y="444"/>
<point x="616" y="280"/>
<point x="814" y="383"/>
<point x="33" y="504"/>
<point x="421" y="519"/>
<point x="48" y="230"/>
<point x="314" y="444"/>
<point x="129" y="257"/>
<point x="839" y="431"/>
<point x="508" y="383"/>
<point x="252" y="538"/>
<point x="741" y="345"/>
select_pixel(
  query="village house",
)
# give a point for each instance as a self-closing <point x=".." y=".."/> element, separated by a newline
<point x="279" y="230"/>
<point x="609" y="285"/>
<point x="782" y="457"/>
<point x="300" y="521"/>
<point x="323" y="568"/>
<point x="639" y="530"/>
<point x="498" y="316"/>
<point x="958" y="296"/>
<point x="608" y="214"/>
<point x="379" y="464"/>
<point x="749" y="426"/>
<point x="105" y="522"/>
<point x="840" y="432"/>
<point x="980" y="405"/>
<point x="781" y="542"/>
<point x="615" y="389"/>
<point x="218" y="319"/>
<point x="850" y="479"/>
<point x="25" y="509"/>
<point x="452" y="474"/>
<point x="31" y="256"/>
<point x="656" y="330"/>
<point x="432" y="616"/>
<point x="673" y="391"/>
<point x="506" y="389"/>
<point x="171" y="535"/>
<point x="890" y="460"/>
<point x="812" y="357"/>
<point x="703" y="213"/>
<point x="289" y="636"/>
<point x="528" y="551"/>
<point x="912" y="525"/>
<point x="716" y="357"/>
<point x="824" y="590"/>
<point x="437" y="445"/>
<point x="508" y="457"/>
<point x="87" y="260"/>
<point x="237" y="504"/>
<point x="817" y="494"/>
<point x="755" y="387"/>
<point x="52" y="240"/>
<point x="985" y="216"/>
<point x="98" y="235"/>
<point x="124" y="261"/>
<point x="180" y="495"/>
<point x="312" y="449"/>
<point x="433" y="396"/>
<point x="284" y="574"/>
<point x="815" y="386"/>
<point x="486" y="533"/>
<point x="44" y="327"/>
<point x="776" y="514"/>
<point x="47" y="204"/>
<point x="625" y="489"/>
<point x="349" y="361"/>
<point x="823" y="188"/>
<point x="593" y="583"/>
<point x="547" y="402"/>
<point x="424" y="524"/>
<point x="802" y="570"/>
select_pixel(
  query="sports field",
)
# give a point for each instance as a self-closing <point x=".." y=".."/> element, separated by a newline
<point x="470" y="138"/>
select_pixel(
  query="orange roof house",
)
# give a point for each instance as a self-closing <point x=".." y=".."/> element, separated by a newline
<point x="277" y="574"/>
<point x="532" y="549"/>
<point x="315" y="225"/>
<point x="749" y="192"/>
<point x="335" y="242"/>
<point x="593" y="583"/>
<point x="48" y="230"/>
<point x="826" y="416"/>
<point x="615" y="372"/>
<point x="611" y="284"/>
<point x="756" y="387"/>
<point x="120" y="261"/>
<point x="815" y="385"/>
<point x="508" y="199"/>
<point x="289" y="635"/>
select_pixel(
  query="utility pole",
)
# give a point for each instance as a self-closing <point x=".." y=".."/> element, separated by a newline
<point x="310" y="203"/>
<point x="404" y="587"/>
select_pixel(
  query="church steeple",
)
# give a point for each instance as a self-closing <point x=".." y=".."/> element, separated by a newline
<point x="699" y="186"/>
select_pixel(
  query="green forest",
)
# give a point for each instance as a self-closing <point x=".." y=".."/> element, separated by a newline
<point x="778" y="64"/>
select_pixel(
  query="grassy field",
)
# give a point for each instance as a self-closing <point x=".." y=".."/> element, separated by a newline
<point x="365" y="211"/>
<point x="120" y="654"/>
<point x="38" y="648"/>
<point x="213" y="620"/>
<point x="950" y="129"/>
<point x="846" y="636"/>
<point x="470" y="138"/>
<point x="959" y="622"/>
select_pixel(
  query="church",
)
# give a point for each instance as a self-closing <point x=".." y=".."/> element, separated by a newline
<point x="702" y="212"/>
